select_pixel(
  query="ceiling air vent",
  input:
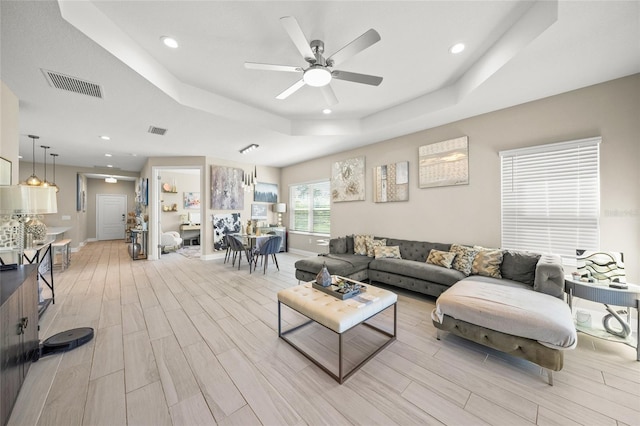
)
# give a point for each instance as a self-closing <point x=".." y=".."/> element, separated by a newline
<point x="157" y="130"/>
<point x="72" y="84"/>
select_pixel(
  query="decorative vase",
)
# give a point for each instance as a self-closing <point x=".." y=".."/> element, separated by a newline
<point x="324" y="277"/>
<point x="36" y="228"/>
<point x="134" y="250"/>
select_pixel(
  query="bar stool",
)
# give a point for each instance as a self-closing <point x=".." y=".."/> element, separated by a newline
<point x="62" y="247"/>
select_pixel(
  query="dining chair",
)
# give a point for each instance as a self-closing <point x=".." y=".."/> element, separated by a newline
<point x="237" y="247"/>
<point x="269" y="246"/>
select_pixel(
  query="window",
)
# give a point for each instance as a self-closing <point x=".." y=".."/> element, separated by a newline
<point x="311" y="207"/>
<point x="551" y="197"/>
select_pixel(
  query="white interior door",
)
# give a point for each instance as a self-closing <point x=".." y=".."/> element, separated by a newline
<point x="112" y="214"/>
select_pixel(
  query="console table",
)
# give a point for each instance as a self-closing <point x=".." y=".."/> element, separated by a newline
<point x="602" y="293"/>
<point x="190" y="233"/>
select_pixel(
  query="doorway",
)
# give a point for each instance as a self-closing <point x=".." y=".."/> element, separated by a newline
<point x="111" y="217"/>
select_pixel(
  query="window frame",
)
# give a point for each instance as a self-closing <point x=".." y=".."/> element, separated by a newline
<point x="310" y="210"/>
<point x="557" y="209"/>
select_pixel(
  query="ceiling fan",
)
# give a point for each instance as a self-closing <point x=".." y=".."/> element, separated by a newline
<point x="319" y="72"/>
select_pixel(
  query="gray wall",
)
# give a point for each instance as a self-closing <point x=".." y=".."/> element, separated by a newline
<point x="471" y="214"/>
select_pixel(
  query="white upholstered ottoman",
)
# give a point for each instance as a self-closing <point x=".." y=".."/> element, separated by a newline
<point x="338" y="316"/>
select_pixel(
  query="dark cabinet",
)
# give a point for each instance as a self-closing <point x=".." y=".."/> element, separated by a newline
<point x="19" y="342"/>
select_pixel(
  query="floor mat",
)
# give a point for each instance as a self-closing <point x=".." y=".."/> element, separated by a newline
<point x="189" y="251"/>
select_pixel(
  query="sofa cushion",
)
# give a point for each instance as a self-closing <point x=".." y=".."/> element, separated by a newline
<point x="487" y="262"/>
<point x="464" y="258"/>
<point x="372" y="244"/>
<point x="337" y="264"/>
<point x="441" y="258"/>
<point x="360" y="244"/>
<point x="420" y="270"/>
<point x="338" y="245"/>
<point x="416" y="250"/>
<point x="349" y="244"/>
<point x="519" y="266"/>
<point x="389" y="252"/>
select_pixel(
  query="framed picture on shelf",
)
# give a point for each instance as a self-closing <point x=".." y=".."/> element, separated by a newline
<point x="191" y="200"/>
<point x="259" y="211"/>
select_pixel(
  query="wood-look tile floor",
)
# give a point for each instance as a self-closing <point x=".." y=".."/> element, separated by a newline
<point x="184" y="341"/>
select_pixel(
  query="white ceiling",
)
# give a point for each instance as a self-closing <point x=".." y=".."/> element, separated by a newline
<point x="517" y="51"/>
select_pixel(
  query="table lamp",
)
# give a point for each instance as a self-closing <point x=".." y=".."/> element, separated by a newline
<point x="280" y="208"/>
<point x="21" y="202"/>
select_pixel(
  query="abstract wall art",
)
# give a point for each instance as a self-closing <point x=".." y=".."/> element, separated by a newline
<point x="223" y="224"/>
<point x="191" y="200"/>
<point x="266" y="192"/>
<point x="226" y="188"/>
<point x="391" y="182"/>
<point x="444" y="163"/>
<point x="347" y="180"/>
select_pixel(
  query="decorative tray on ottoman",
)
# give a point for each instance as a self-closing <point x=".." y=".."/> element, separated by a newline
<point x="341" y="288"/>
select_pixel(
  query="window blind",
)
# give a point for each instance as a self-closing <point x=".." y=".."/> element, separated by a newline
<point x="311" y="208"/>
<point x="551" y="197"/>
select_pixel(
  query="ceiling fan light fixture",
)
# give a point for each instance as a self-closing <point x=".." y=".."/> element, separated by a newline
<point x="317" y="76"/>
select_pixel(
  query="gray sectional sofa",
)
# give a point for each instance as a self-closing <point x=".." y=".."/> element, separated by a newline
<point x="494" y="311"/>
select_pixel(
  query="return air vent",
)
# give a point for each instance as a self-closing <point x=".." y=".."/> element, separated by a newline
<point x="72" y="84"/>
<point x="157" y="130"/>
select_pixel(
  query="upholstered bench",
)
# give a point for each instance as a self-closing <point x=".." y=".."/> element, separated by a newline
<point x="338" y="316"/>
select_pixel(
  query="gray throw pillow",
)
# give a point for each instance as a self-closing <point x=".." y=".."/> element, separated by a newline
<point x="350" y="244"/>
<point x="338" y="245"/>
<point x="519" y="266"/>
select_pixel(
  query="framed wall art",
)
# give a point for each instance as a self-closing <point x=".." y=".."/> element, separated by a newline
<point x="444" y="163"/>
<point x="391" y="182"/>
<point x="223" y="224"/>
<point x="191" y="200"/>
<point x="259" y="211"/>
<point x="347" y="180"/>
<point x="227" y="192"/>
<point x="266" y="192"/>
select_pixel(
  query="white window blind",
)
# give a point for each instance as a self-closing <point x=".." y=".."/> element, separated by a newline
<point x="311" y="207"/>
<point x="551" y="197"/>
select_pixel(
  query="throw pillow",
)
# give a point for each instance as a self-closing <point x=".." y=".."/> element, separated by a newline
<point x="487" y="262"/>
<point x="372" y="244"/>
<point x="441" y="258"/>
<point x="338" y="245"/>
<point x="519" y="266"/>
<point x="464" y="258"/>
<point x="388" y="252"/>
<point x="360" y="244"/>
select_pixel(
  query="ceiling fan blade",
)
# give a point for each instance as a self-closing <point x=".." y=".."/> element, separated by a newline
<point x="356" y="46"/>
<point x="356" y="77"/>
<point x="297" y="36"/>
<point x="270" y="67"/>
<point x="329" y="95"/>
<point x="291" y="90"/>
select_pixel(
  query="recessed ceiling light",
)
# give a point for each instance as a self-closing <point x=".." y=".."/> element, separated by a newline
<point x="107" y="155"/>
<point x="20" y="157"/>
<point x="111" y="179"/>
<point x="326" y="111"/>
<point x="169" y="42"/>
<point x="456" y="48"/>
<point x="109" y="165"/>
<point x="105" y="138"/>
<point x="134" y="155"/>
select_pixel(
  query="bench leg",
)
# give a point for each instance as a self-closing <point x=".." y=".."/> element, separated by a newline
<point x="550" y="376"/>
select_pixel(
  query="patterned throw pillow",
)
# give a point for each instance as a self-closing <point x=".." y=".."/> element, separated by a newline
<point x="387" y="252"/>
<point x="372" y="244"/>
<point x="441" y="258"/>
<point x="487" y="262"/>
<point x="360" y="244"/>
<point x="464" y="258"/>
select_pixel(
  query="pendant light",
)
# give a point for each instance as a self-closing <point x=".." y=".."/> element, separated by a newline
<point x="53" y="184"/>
<point x="33" y="180"/>
<point x="45" y="183"/>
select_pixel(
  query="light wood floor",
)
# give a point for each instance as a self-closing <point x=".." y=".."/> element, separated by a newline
<point x="183" y="341"/>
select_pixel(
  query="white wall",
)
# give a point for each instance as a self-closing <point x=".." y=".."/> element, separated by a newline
<point x="9" y="131"/>
<point x="470" y="214"/>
